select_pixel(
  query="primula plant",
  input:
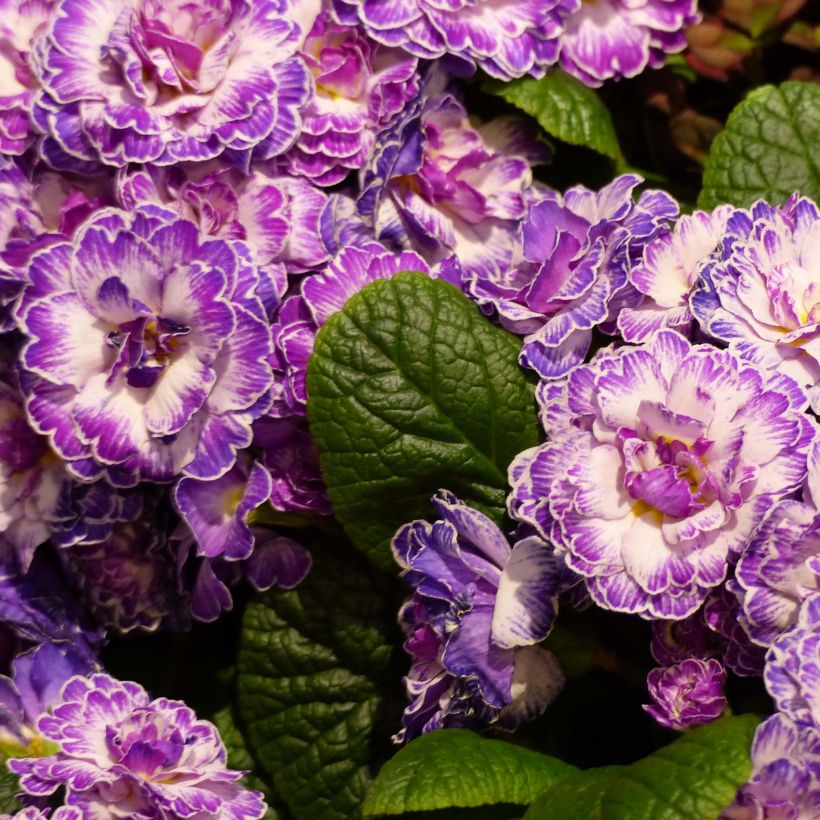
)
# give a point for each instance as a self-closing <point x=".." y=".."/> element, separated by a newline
<point x="409" y="408"/>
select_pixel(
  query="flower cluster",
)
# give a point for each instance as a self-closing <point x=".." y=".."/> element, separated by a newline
<point x="190" y="189"/>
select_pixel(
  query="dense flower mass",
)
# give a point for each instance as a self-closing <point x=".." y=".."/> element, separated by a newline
<point x="441" y="187"/>
<point x="119" y="753"/>
<point x="477" y="611"/>
<point x="190" y="190"/>
<point x="662" y="459"/>
<point x="359" y="86"/>
<point x="166" y="82"/>
<point x="505" y="39"/>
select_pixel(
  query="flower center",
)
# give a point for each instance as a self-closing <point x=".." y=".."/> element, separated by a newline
<point x="146" y="346"/>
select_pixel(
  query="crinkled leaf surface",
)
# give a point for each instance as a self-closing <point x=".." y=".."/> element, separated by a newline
<point x="692" y="778"/>
<point x="458" y="768"/>
<point x="564" y="108"/>
<point x="241" y="758"/>
<point x="768" y="149"/>
<point x="312" y="673"/>
<point x="412" y="390"/>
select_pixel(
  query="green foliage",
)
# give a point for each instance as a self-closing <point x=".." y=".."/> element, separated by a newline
<point x="413" y="390"/>
<point x="241" y="758"/>
<point x="564" y="108"/>
<point x="690" y="779"/>
<point x="768" y="149"/>
<point x="455" y="768"/>
<point x="9" y="788"/>
<point x="312" y="672"/>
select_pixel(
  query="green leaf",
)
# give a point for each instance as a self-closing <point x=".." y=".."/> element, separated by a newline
<point x="9" y="788"/>
<point x="241" y="758"/>
<point x="564" y="108"/>
<point x="413" y="390"/>
<point x="690" y="779"/>
<point x="457" y="768"/>
<point x="768" y="149"/>
<point x="313" y="666"/>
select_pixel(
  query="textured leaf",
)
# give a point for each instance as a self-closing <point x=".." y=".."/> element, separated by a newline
<point x="241" y="758"/>
<point x="692" y="778"/>
<point x="312" y="670"/>
<point x="457" y="768"/>
<point x="564" y="108"/>
<point x="413" y="390"/>
<point x="769" y="148"/>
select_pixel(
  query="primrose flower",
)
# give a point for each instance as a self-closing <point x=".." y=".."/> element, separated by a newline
<point x="477" y="611"/>
<point x="761" y="293"/>
<point x="359" y="86"/>
<point x="578" y="250"/>
<point x="791" y="672"/>
<point x="687" y="694"/>
<point x="441" y="187"/>
<point x="611" y="39"/>
<point x="168" y="81"/>
<point x="37" y="676"/>
<point x="507" y="39"/>
<point x="661" y="460"/>
<point x="21" y="23"/>
<point x="667" y="273"/>
<point x="121" y="754"/>
<point x="781" y="566"/>
<point x="785" y="779"/>
<point x="128" y="580"/>
<point x="147" y="347"/>
<point x="280" y="218"/>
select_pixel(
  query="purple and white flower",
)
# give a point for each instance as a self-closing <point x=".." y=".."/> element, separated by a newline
<point x="610" y="39"/>
<point x="761" y="293"/>
<point x="477" y="612"/>
<point x="687" y="694"/>
<point x="34" y="813"/>
<point x="21" y="23"/>
<point x="217" y="510"/>
<point x="662" y="459"/>
<point x="279" y="217"/>
<point x="781" y="566"/>
<point x="31" y="477"/>
<point x="37" y="677"/>
<point x="121" y="754"/>
<point x="128" y="580"/>
<point x="676" y="641"/>
<point x="441" y="187"/>
<point x="785" y="779"/>
<point x="578" y="250"/>
<point x="147" y="348"/>
<point x="167" y="82"/>
<point x="669" y="269"/>
<point x="723" y="616"/>
<point x="507" y="39"/>
<point x="792" y="671"/>
<point x="359" y="86"/>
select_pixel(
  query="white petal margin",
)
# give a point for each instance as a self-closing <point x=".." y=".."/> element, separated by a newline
<point x="525" y="603"/>
<point x="537" y="680"/>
